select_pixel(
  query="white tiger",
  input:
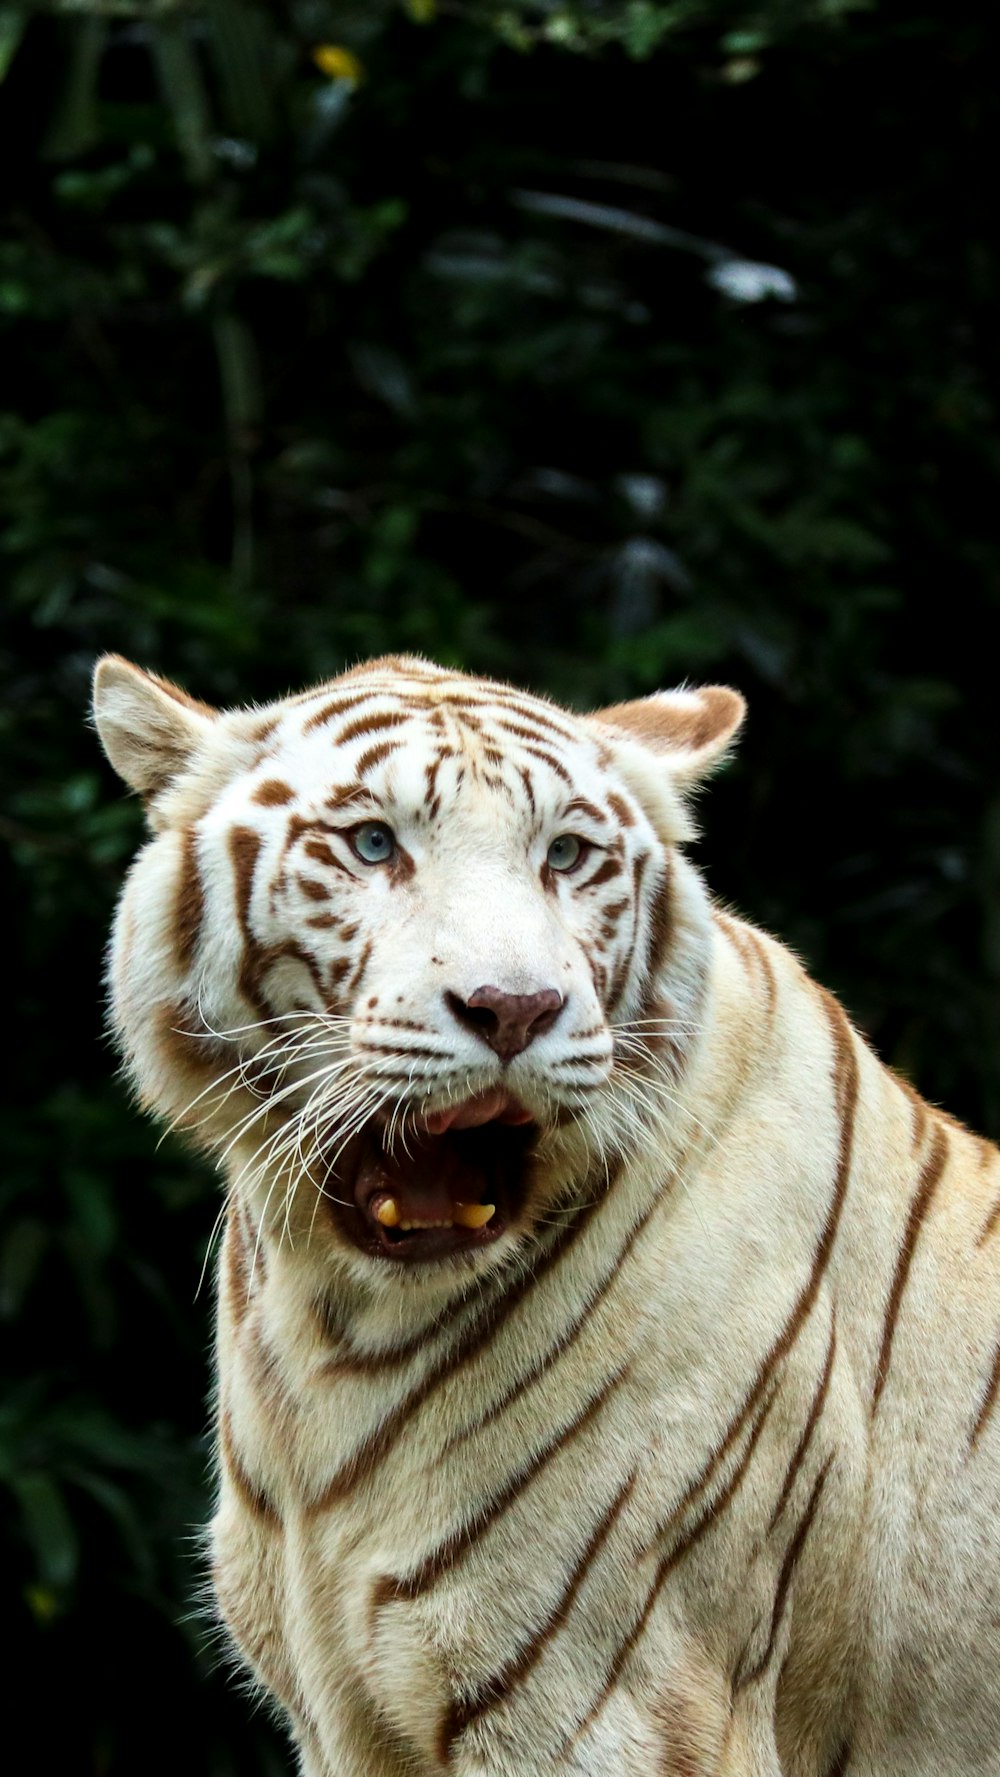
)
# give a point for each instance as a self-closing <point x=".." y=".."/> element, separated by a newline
<point x="609" y="1345"/>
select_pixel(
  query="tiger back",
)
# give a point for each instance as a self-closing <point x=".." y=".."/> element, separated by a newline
<point x="608" y="1344"/>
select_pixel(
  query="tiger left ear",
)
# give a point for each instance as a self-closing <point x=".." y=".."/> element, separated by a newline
<point x="692" y="730"/>
<point x="149" y="728"/>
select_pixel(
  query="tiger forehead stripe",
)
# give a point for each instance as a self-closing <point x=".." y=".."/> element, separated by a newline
<point x="370" y="725"/>
<point x="376" y="755"/>
<point x="580" y="805"/>
<point x="551" y="761"/>
<point x="337" y="706"/>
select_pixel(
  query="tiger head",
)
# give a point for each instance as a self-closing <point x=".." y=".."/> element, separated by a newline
<point x="415" y="948"/>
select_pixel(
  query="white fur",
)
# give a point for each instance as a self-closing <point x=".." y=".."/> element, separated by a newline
<point x="639" y="1605"/>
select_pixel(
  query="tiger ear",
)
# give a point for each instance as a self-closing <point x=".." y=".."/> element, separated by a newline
<point x="149" y="728"/>
<point x="693" y="730"/>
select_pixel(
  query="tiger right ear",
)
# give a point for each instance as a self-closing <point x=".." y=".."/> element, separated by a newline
<point x="692" y="729"/>
<point x="148" y="727"/>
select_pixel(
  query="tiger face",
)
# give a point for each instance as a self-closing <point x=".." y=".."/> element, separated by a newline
<point x="413" y="948"/>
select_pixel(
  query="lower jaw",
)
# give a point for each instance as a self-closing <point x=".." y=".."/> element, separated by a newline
<point x="421" y="1246"/>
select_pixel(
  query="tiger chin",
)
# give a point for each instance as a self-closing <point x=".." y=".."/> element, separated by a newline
<point x="608" y="1344"/>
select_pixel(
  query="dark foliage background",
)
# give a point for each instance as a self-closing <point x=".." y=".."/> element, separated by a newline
<point x="598" y="345"/>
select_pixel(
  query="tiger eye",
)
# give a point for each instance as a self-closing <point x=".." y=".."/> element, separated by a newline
<point x="373" y="842"/>
<point x="565" y="852"/>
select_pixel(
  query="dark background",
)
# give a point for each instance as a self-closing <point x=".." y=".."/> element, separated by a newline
<point x="598" y="345"/>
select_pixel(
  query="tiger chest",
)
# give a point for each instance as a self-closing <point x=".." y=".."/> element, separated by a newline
<point x="444" y="1577"/>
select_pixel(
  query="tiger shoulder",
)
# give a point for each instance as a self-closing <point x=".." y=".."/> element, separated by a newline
<point x="608" y="1344"/>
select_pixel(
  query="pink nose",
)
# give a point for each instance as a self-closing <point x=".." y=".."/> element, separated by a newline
<point x="507" y="1022"/>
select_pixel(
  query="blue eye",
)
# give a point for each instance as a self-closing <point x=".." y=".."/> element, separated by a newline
<point x="565" y="852"/>
<point x="373" y="842"/>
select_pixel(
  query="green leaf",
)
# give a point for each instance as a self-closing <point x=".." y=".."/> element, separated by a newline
<point x="13" y="23"/>
<point x="48" y="1528"/>
<point x="75" y="126"/>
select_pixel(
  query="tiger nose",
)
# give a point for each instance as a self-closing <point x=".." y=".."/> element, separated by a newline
<point x="508" y="1022"/>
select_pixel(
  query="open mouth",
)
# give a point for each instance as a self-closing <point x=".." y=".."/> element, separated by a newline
<point x="452" y="1185"/>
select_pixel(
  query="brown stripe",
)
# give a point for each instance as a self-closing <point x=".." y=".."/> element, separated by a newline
<point x="476" y="1338"/>
<point x="666" y="1565"/>
<point x="920" y="1116"/>
<point x="370" y="725"/>
<point x="254" y="1498"/>
<point x="375" y="755"/>
<point x="620" y="807"/>
<point x="525" y="777"/>
<point x="720" y="1500"/>
<point x="313" y="891"/>
<point x="930" y="1176"/>
<point x="399" y="1050"/>
<point x="988" y="1402"/>
<point x="431" y="771"/>
<point x="610" y="867"/>
<point x="195" y="1049"/>
<point x="189" y="901"/>
<point x="752" y="952"/>
<point x="551" y="761"/>
<point x="661" y="925"/>
<point x="272" y="793"/>
<point x="453" y="1551"/>
<point x="580" y="805"/>
<point x="565" y="1340"/>
<point x="319" y="851"/>
<point x="818" y="1402"/>
<point x="526" y="710"/>
<point x="339" y="706"/>
<point x="244" y="850"/>
<point x="237" y="1260"/>
<point x="536" y="733"/>
<point x="765" y="965"/>
<point x="788" y="1566"/>
<point x="841" y="1760"/>
<point x="362" y="965"/>
<point x="845" y="1088"/>
<point x="341" y="796"/>
<point x="620" y="974"/>
<point x="497" y="1688"/>
<point x="734" y="932"/>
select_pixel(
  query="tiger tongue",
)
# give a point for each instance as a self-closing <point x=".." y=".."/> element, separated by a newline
<point x="487" y="1107"/>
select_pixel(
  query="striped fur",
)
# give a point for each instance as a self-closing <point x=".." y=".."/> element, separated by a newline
<point x="695" y="1470"/>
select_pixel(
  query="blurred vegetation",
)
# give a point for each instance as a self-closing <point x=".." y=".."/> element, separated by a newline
<point x="599" y="345"/>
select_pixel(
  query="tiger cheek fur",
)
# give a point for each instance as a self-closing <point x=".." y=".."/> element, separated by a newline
<point x="608" y="1345"/>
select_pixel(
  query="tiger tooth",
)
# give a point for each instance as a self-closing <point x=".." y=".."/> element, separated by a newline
<point x="473" y="1215"/>
<point x="388" y="1213"/>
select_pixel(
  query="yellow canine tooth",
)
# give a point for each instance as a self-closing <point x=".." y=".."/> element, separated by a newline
<point x="472" y="1215"/>
<point x="388" y="1213"/>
